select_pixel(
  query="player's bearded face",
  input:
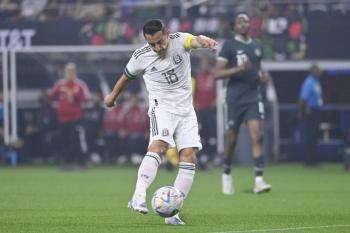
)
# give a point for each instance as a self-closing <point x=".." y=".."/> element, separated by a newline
<point x="158" y="42"/>
<point x="242" y="24"/>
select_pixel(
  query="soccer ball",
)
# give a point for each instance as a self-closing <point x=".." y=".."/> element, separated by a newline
<point x="167" y="201"/>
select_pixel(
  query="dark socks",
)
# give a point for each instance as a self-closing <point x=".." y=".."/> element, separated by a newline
<point x="227" y="165"/>
<point x="259" y="166"/>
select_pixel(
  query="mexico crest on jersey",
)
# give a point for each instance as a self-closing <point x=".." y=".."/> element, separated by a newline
<point x="177" y="58"/>
<point x="165" y="132"/>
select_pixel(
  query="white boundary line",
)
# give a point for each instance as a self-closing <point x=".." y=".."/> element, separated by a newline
<point x="285" y="229"/>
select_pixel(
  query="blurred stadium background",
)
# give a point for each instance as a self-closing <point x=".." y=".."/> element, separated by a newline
<point x="37" y="39"/>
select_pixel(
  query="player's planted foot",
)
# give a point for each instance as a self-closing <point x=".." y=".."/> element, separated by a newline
<point x="138" y="204"/>
<point x="227" y="186"/>
<point x="261" y="186"/>
<point x="174" y="220"/>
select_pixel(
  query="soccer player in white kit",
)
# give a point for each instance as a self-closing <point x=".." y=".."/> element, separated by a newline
<point x="165" y="66"/>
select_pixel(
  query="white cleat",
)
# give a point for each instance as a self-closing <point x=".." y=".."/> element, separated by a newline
<point x="227" y="184"/>
<point x="174" y="220"/>
<point x="261" y="186"/>
<point x="138" y="205"/>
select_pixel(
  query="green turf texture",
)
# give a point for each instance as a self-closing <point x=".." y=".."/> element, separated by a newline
<point x="46" y="199"/>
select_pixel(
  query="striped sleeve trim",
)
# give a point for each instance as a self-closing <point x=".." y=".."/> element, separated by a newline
<point x="141" y="51"/>
<point x="128" y="74"/>
<point x="188" y="42"/>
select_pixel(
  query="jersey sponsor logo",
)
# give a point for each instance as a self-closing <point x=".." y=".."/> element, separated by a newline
<point x="165" y="132"/>
<point x="177" y="58"/>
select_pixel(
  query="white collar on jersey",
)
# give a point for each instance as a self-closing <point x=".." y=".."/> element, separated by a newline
<point x="240" y="39"/>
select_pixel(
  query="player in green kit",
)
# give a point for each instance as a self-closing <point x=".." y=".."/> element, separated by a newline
<point x="239" y="62"/>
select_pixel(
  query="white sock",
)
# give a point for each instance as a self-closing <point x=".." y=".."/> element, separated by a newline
<point x="258" y="179"/>
<point x="185" y="177"/>
<point x="146" y="174"/>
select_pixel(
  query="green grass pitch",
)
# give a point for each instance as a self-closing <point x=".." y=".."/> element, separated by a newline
<point x="45" y="199"/>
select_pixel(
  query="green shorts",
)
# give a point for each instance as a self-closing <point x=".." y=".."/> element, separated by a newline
<point x="236" y="114"/>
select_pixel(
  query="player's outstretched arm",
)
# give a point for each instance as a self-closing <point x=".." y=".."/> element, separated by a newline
<point x="110" y="99"/>
<point x="221" y="71"/>
<point x="203" y="42"/>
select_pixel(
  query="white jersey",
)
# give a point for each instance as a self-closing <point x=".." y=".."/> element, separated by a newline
<point x="167" y="77"/>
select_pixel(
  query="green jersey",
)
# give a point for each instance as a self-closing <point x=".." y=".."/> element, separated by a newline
<point x="242" y="87"/>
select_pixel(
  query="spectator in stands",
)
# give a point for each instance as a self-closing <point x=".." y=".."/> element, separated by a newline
<point x="31" y="136"/>
<point x="114" y="133"/>
<point x="8" y="5"/>
<point x="9" y="11"/>
<point x="71" y="93"/>
<point x="93" y="12"/>
<point x="32" y="8"/>
<point x="136" y="122"/>
<point x="310" y="102"/>
<point x="92" y="122"/>
<point x="277" y="26"/>
<point x="47" y="121"/>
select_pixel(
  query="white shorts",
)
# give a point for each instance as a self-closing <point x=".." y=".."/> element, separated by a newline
<point x="178" y="131"/>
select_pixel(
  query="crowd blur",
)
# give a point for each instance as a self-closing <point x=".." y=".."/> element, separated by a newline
<point x="286" y="29"/>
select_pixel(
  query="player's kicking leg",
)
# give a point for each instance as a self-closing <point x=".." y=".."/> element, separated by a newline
<point x="146" y="175"/>
<point x="184" y="179"/>
<point x="174" y="220"/>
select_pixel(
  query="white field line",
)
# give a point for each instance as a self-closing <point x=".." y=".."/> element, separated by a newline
<point x="285" y="229"/>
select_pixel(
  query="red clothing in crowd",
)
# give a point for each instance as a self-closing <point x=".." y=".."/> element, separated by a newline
<point x="256" y="26"/>
<point x="205" y="93"/>
<point x="136" y="120"/>
<point x="114" y="119"/>
<point x="71" y="95"/>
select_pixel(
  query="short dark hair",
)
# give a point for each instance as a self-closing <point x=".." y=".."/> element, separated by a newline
<point x="153" y="26"/>
<point x="233" y="22"/>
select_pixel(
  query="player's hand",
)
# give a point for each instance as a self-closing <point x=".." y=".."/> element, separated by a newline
<point x="109" y="101"/>
<point x="211" y="44"/>
<point x="207" y="42"/>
